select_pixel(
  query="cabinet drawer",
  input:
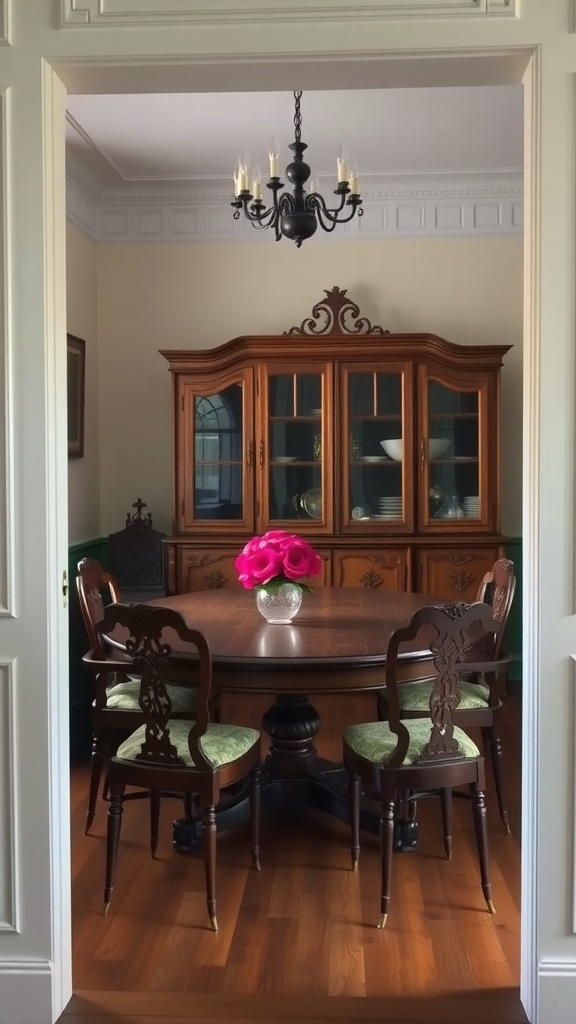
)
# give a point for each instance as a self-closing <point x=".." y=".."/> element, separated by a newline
<point x="455" y="573"/>
<point x="387" y="568"/>
<point x="202" y="569"/>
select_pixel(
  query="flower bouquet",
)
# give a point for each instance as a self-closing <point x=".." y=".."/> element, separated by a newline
<point x="274" y="565"/>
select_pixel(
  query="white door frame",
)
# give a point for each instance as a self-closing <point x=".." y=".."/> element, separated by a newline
<point x="531" y="356"/>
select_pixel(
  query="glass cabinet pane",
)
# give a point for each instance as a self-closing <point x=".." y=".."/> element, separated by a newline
<point x="218" y="454"/>
<point x="295" y="446"/>
<point x="453" y="452"/>
<point x="375" y="446"/>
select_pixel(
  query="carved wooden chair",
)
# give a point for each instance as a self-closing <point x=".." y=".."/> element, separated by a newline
<point x="136" y="556"/>
<point x="415" y="757"/>
<point x="480" y="703"/>
<point x="171" y="754"/>
<point x="115" y="708"/>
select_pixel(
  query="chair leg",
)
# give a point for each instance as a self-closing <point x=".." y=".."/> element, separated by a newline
<point x="446" y="802"/>
<point x="95" y="776"/>
<point x="115" y="810"/>
<point x="255" y="791"/>
<point x="188" y="806"/>
<point x="492" y="739"/>
<point x="386" y="846"/>
<point x="154" y="820"/>
<point x="209" y="833"/>
<point x="381" y="707"/>
<point x="479" y="812"/>
<point x="354" y="802"/>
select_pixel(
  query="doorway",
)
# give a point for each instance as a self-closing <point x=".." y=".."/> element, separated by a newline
<point x="234" y="70"/>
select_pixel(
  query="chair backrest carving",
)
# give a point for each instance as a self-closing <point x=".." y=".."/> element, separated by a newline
<point x="497" y="589"/>
<point x="451" y="632"/>
<point x="93" y="582"/>
<point x="150" y="634"/>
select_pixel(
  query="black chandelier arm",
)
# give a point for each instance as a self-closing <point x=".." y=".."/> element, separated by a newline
<point x="329" y="218"/>
<point x="286" y="204"/>
<point x="256" y="212"/>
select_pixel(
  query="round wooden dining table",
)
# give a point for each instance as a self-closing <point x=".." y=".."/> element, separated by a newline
<point x="337" y="643"/>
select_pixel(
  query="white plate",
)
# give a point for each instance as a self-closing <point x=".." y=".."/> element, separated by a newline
<point x="373" y="458"/>
<point x="316" y="412"/>
<point x="389" y="515"/>
<point x="285" y="458"/>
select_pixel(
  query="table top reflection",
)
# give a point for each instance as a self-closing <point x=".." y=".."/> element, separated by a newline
<point x="337" y="641"/>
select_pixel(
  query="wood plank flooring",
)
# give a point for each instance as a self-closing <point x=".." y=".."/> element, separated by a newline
<point x="297" y="941"/>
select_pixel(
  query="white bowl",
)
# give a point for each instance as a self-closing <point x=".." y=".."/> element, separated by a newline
<point x="393" y="448"/>
<point x="437" y="446"/>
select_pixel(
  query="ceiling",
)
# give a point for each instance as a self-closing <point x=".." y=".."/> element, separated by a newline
<point x="182" y="140"/>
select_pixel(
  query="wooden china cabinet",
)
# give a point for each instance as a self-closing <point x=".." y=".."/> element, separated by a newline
<point x="382" y="449"/>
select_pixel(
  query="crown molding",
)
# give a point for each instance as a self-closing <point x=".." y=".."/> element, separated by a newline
<point x="153" y="13"/>
<point x="426" y="206"/>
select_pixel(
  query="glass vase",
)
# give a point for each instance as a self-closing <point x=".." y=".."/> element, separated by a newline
<point x="280" y="605"/>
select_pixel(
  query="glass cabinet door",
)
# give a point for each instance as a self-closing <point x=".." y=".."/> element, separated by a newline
<point x="377" y="447"/>
<point x="294" y="448"/>
<point x="217" y="456"/>
<point x="453" y="454"/>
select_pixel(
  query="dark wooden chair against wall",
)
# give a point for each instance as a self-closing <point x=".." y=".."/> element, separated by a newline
<point x="415" y="757"/>
<point x="136" y="556"/>
<point x="480" y="703"/>
<point x="115" y="708"/>
<point x="198" y="757"/>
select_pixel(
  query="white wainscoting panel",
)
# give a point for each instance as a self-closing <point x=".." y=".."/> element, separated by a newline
<point x="6" y="461"/>
<point x="8" y="819"/>
<point x="138" y="13"/>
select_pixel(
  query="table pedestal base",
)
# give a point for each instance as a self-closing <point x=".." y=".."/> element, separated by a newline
<point x="295" y="778"/>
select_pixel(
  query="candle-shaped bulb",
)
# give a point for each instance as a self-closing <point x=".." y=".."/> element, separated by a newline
<point x="243" y="173"/>
<point x="342" y="164"/>
<point x="354" y="182"/>
<point x="274" y="155"/>
<point x="237" y="178"/>
<point x="313" y="184"/>
<point x="257" y="182"/>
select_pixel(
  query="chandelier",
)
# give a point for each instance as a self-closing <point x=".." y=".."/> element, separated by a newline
<point x="297" y="214"/>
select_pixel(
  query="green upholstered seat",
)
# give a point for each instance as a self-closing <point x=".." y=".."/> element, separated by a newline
<point x="375" y="742"/>
<point x="124" y="696"/>
<point x="416" y="696"/>
<point x="221" y="744"/>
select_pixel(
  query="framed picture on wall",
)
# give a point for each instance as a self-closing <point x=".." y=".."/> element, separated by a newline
<point x="76" y="375"/>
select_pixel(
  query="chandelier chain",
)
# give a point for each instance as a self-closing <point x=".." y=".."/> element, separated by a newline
<point x="297" y="117"/>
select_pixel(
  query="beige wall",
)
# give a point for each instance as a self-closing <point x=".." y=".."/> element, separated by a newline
<point x="153" y="297"/>
<point x="82" y="320"/>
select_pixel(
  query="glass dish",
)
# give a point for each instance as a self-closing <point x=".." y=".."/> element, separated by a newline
<point x="311" y="502"/>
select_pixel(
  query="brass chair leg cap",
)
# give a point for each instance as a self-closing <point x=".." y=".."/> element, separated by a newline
<point x="382" y="921"/>
<point x="491" y="907"/>
<point x="354" y="865"/>
<point x="214" y="924"/>
<point x="106" y="909"/>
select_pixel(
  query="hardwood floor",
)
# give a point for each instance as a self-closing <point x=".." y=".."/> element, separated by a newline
<point x="302" y="931"/>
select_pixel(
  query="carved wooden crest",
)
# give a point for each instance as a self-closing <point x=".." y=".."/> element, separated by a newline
<point x="336" y="315"/>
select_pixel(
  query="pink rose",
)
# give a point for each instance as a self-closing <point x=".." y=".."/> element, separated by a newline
<point x="258" y="567"/>
<point x="300" y="560"/>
